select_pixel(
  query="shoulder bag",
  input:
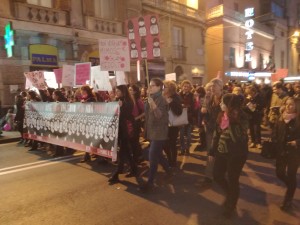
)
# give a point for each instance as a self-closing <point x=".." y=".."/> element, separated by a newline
<point x="176" y="121"/>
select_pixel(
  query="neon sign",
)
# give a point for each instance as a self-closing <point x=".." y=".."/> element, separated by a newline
<point x="249" y="23"/>
<point x="9" y="40"/>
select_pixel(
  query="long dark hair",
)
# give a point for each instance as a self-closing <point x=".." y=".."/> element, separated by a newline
<point x="137" y="91"/>
<point x="234" y="105"/>
<point x="125" y="93"/>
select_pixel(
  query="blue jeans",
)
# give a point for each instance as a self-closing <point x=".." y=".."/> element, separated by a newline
<point x="156" y="157"/>
<point x="185" y="131"/>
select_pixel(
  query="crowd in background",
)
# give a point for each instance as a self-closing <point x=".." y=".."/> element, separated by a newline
<point x="224" y="115"/>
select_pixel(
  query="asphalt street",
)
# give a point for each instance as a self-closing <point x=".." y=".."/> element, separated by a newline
<point x="38" y="189"/>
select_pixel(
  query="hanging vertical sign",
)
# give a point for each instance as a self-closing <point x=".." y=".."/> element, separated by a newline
<point x="143" y="37"/>
<point x="9" y="40"/>
<point x="249" y="23"/>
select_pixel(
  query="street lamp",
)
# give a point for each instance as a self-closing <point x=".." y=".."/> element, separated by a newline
<point x="296" y="34"/>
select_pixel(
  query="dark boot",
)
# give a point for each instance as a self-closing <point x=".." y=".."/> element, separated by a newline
<point x="114" y="179"/>
<point x="86" y="158"/>
<point x="286" y="205"/>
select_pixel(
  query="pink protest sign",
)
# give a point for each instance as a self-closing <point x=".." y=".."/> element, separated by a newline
<point x="143" y="37"/>
<point x="114" y="54"/>
<point x="58" y="75"/>
<point x="82" y="73"/>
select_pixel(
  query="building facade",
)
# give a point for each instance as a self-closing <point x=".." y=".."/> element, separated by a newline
<point x="198" y="39"/>
<point x="51" y="33"/>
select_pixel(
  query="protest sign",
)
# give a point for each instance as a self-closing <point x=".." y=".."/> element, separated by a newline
<point x="58" y="75"/>
<point x="89" y="127"/>
<point x="82" y="73"/>
<point x="37" y="79"/>
<point x="143" y="37"/>
<point x="100" y="79"/>
<point x="121" y="78"/>
<point x="170" y="76"/>
<point x="114" y="54"/>
<point x="68" y="75"/>
<point x="50" y="79"/>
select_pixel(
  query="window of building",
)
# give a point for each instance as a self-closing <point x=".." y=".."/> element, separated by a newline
<point x="177" y="34"/>
<point x="277" y="10"/>
<point x="105" y="9"/>
<point x="236" y="6"/>
<point x="282" y="59"/>
<point x="261" y="61"/>
<point x="232" y="57"/>
<point x="44" y="3"/>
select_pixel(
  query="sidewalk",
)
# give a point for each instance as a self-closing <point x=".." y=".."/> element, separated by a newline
<point x="9" y="136"/>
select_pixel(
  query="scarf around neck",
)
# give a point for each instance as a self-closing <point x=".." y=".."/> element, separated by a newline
<point x="287" y="117"/>
<point x="224" y="121"/>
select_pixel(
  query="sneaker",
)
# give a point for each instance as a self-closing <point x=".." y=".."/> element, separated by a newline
<point x="252" y="145"/>
<point x="259" y="146"/>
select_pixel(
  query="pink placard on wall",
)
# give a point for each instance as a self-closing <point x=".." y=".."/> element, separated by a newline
<point x="58" y="75"/>
<point x="82" y="73"/>
<point x="143" y="37"/>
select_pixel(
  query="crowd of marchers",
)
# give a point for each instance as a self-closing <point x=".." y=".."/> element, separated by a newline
<point x="229" y="118"/>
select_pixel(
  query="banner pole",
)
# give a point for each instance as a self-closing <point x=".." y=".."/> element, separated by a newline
<point x="147" y="74"/>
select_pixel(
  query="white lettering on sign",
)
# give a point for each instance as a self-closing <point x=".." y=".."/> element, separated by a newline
<point x="249" y="23"/>
<point x="249" y="12"/>
<point x="249" y="46"/>
<point x="249" y="34"/>
<point x="248" y="57"/>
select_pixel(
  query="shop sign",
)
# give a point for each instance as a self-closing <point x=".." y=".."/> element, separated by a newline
<point x="43" y="55"/>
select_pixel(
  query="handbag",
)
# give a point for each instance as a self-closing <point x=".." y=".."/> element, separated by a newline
<point x="175" y="121"/>
<point x="7" y="127"/>
<point x="268" y="150"/>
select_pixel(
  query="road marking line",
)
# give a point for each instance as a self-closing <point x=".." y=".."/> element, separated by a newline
<point x="37" y="166"/>
<point x="39" y="162"/>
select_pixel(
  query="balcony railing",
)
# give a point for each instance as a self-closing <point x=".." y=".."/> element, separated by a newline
<point x="172" y="6"/>
<point x="104" y="26"/>
<point x="179" y="52"/>
<point x="40" y="14"/>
